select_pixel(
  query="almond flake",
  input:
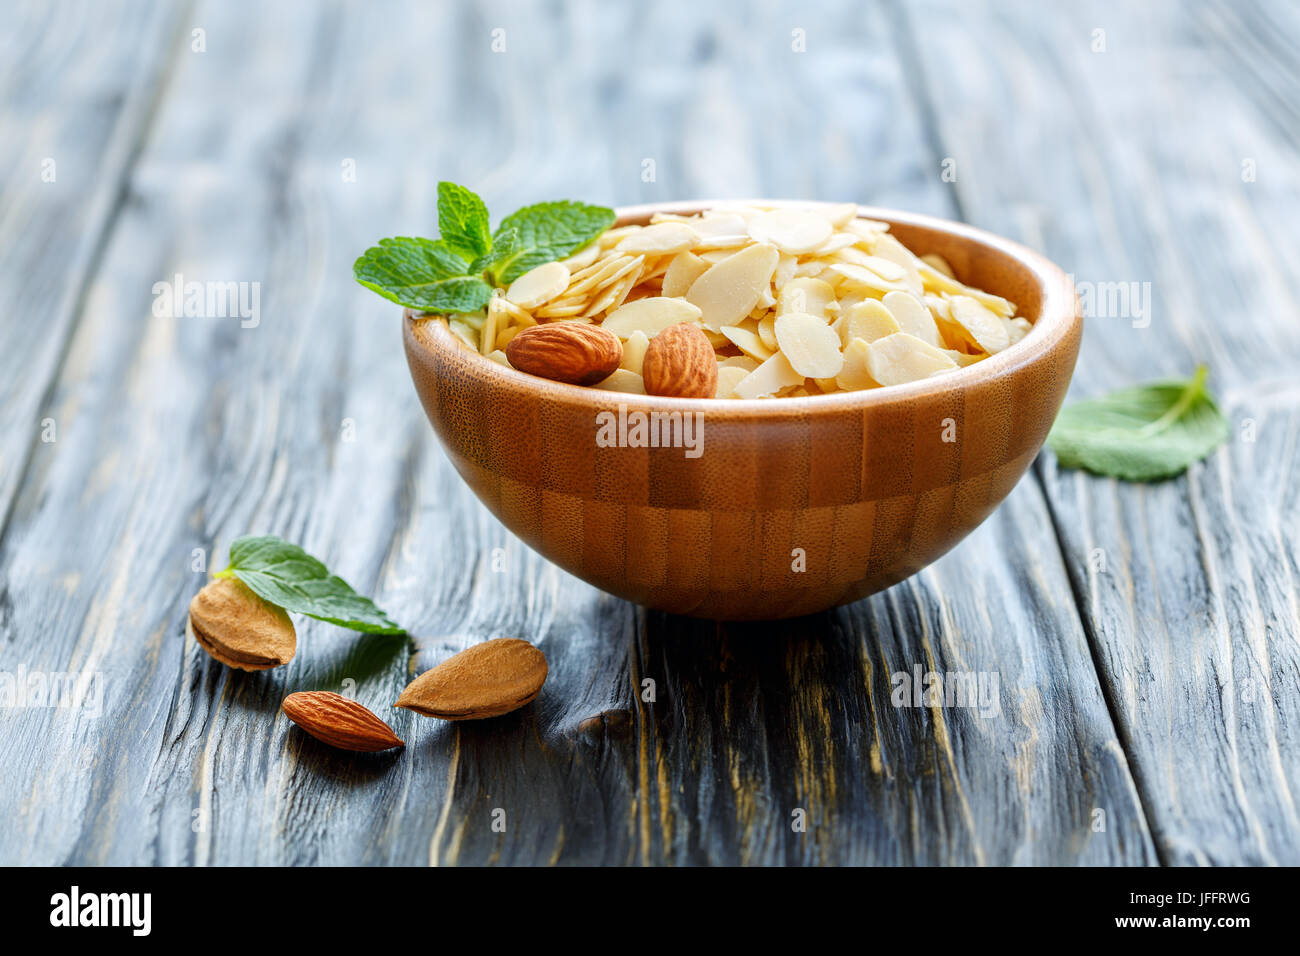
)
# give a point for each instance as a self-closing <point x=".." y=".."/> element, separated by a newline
<point x="768" y="379"/>
<point x="728" y="291"/>
<point x="810" y="344"/>
<point x="900" y="358"/>
<point x="793" y="231"/>
<point x="650" y="316"/>
<point x="664" y="238"/>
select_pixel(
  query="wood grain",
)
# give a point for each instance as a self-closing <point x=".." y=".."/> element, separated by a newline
<point x="1188" y="588"/>
<point x="1116" y="737"/>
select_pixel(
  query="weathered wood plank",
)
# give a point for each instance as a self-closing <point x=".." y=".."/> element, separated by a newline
<point x="76" y="92"/>
<point x="1133" y="165"/>
<point x="183" y="433"/>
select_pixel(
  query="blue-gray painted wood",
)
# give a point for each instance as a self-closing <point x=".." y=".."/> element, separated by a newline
<point x="175" y="435"/>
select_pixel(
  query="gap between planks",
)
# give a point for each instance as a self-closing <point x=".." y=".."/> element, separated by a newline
<point x="914" y="79"/>
<point x="134" y="124"/>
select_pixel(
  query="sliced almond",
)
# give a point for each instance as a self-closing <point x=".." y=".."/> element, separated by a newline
<point x="766" y="332"/>
<point x="634" y="351"/>
<point x="748" y="342"/>
<point x="685" y="268"/>
<point x="650" y="315"/>
<point x="728" y="378"/>
<point x="886" y="247"/>
<point x="623" y="380"/>
<point x="839" y="214"/>
<point x="728" y="291"/>
<point x="936" y="281"/>
<point x="983" y="327"/>
<point x="784" y="272"/>
<point x="811" y="296"/>
<point x="660" y="239"/>
<point x="900" y="358"/>
<point x="722" y="243"/>
<point x="868" y="320"/>
<point x="539" y="286"/>
<point x="860" y="277"/>
<point x="719" y="223"/>
<point x="794" y="231"/>
<point x="841" y="240"/>
<point x="583" y="257"/>
<point x="810" y="344"/>
<point x="866" y="229"/>
<point x="856" y="374"/>
<point x="748" y="363"/>
<point x="964" y="358"/>
<point x="913" y="317"/>
<point x="1017" y="328"/>
<point x="936" y="261"/>
<point x="768" y="379"/>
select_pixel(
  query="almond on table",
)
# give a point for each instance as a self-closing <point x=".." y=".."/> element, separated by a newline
<point x="814" y="298"/>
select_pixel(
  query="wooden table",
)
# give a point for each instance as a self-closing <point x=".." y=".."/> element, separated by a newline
<point x="1143" y="638"/>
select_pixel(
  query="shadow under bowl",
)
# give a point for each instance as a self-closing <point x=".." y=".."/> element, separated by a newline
<point x="792" y="505"/>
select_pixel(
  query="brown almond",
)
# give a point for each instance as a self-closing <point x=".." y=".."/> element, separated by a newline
<point x="339" y="722"/>
<point x="486" y="680"/>
<point x="680" y="362"/>
<point x="572" y="352"/>
<point x="239" y="629"/>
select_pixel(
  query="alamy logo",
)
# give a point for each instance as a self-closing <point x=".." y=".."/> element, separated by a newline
<point x="972" y="691"/>
<point x="1115" y="300"/>
<point x="103" y="909"/>
<point x="208" y="300"/>
<point x="651" y="430"/>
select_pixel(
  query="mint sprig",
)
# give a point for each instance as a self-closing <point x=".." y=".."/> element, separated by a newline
<point x="457" y="272"/>
<point x="288" y="577"/>
<point x="1141" y="434"/>
<point x="463" y="222"/>
<point x="421" y="274"/>
<point x="550" y="231"/>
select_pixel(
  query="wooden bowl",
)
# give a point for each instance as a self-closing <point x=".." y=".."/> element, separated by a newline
<point x="794" y="505"/>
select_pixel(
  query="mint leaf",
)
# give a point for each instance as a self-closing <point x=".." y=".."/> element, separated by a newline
<point x="462" y="294"/>
<point x="421" y="274"/>
<point x="287" y="576"/>
<point x="1141" y="434"/>
<point x="463" y="222"/>
<point x="506" y="248"/>
<point x="550" y="231"/>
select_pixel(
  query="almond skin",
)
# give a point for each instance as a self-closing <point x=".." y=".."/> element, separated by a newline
<point x="572" y="352"/>
<point x="239" y="629"/>
<point x="339" y="722"/>
<point x="680" y="362"/>
<point x="486" y="680"/>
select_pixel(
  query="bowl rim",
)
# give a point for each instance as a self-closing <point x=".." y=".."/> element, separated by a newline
<point x="1059" y="316"/>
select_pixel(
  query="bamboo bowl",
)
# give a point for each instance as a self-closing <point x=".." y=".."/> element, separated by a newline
<point x="793" y="505"/>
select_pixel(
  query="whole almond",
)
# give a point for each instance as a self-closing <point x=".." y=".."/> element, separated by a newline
<point x="339" y="722"/>
<point x="572" y="352"/>
<point x="680" y="362"/>
<point x="239" y="629"/>
<point x="486" y="680"/>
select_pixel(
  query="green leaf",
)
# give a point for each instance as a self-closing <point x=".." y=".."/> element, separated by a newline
<point x="287" y="576"/>
<point x="550" y="231"/>
<point x="421" y="274"/>
<point x="463" y="222"/>
<point x="1141" y="434"/>
<point x="506" y="249"/>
